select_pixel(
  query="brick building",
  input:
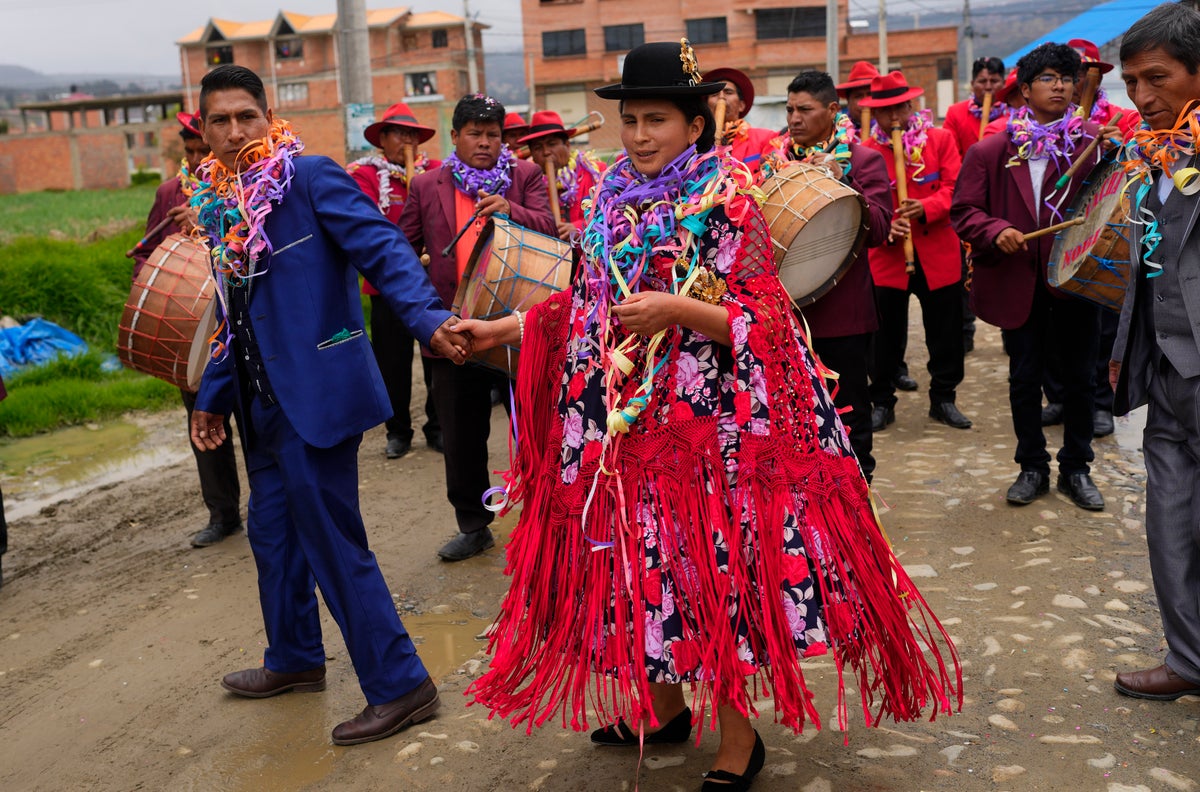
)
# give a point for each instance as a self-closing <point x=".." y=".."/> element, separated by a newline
<point x="577" y="45"/>
<point x="420" y="58"/>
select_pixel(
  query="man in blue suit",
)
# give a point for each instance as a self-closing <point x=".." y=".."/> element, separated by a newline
<point x="298" y="369"/>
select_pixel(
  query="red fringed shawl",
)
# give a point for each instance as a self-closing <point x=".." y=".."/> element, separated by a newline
<point x="571" y="634"/>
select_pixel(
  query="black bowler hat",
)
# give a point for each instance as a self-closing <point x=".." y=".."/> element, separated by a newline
<point x="661" y="68"/>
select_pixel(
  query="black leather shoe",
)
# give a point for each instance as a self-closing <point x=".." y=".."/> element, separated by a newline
<point x="1052" y="414"/>
<point x="947" y="413"/>
<point x="213" y="533"/>
<point x="1028" y="487"/>
<point x="262" y="683"/>
<point x="378" y="721"/>
<point x="881" y="417"/>
<point x="1158" y="684"/>
<point x="904" y="382"/>
<point x="466" y="545"/>
<point x="434" y="441"/>
<point x="1080" y="488"/>
<point x="968" y="344"/>
<point x="397" y="446"/>
<point x="1102" y="423"/>
<point x="725" y="781"/>
<point x="676" y="730"/>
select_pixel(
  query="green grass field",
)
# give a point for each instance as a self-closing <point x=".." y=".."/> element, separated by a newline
<point x="79" y="280"/>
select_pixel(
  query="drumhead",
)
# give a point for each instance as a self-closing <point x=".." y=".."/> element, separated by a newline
<point x="822" y="250"/>
<point x="200" y="352"/>
<point x="1100" y="202"/>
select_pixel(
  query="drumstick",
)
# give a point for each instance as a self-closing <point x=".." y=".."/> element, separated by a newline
<point x="719" y="115"/>
<point x="1054" y="229"/>
<point x="409" y="156"/>
<point x="985" y="114"/>
<point x="865" y="120"/>
<point x="902" y="192"/>
<point x="1087" y="153"/>
<point x="446" y="250"/>
<point x="133" y="250"/>
<point x="552" y="188"/>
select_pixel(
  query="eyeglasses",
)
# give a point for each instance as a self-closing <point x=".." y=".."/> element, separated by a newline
<point x="1050" y="79"/>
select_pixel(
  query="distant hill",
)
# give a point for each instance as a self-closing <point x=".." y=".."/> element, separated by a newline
<point x="19" y="84"/>
<point x="506" y="77"/>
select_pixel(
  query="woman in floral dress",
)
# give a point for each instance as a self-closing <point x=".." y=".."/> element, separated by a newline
<point x="692" y="510"/>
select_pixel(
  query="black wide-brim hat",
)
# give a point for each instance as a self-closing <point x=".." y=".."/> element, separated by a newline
<point x="660" y="68"/>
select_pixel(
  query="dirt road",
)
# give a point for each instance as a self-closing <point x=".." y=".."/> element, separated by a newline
<point x="113" y="634"/>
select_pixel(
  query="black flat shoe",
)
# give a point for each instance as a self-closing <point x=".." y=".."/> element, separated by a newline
<point x="725" y="781"/>
<point x="677" y="730"/>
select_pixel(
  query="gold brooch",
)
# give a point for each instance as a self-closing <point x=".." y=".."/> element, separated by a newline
<point x="687" y="56"/>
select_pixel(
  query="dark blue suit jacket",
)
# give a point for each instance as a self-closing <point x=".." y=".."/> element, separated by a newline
<point x="306" y="313"/>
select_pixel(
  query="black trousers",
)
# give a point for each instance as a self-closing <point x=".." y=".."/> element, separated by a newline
<point x="941" y="313"/>
<point x="1106" y="329"/>
<point x="218" y="474"/>
<point x="393" y="346"/>
<point x="850" y="357"/>
<point x="463" y="398"/>
<point x="1069" y="327"/>
<point x="3" y="527"/>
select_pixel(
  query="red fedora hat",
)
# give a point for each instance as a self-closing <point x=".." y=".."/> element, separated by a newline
<point x="514" y="121"/>
<point x="745" y="88"/>
<point x="544" y="123"/>
<point x="399" y="115"/>
<point x="861" y="74"/>
<point x="1089" y="53"/>
<point x="890" y="89"/>
<point x="190" y="122"/>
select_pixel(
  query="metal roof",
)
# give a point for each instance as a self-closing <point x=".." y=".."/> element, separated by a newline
<point x="1099" y="24"/>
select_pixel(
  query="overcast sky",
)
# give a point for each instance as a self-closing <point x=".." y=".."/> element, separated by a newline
<point x="138" y="36"/>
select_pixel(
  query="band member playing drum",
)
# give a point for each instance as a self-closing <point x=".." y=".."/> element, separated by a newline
<point x="842" y="321"/>
<point x="576" y="171"/>
<point x="687" y="484"/>
<point x="930" y="162"/>
<point x="1157" y="354"/>
<point x="384" y="178"/>
<point x="218" y="471"/>
<point x="1007" y="189"/>
<point x="747" y="143"/>
<point x="446" y="211"/>
<point x="964" y="119"/>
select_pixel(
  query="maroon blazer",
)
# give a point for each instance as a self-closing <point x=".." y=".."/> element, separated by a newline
<point x="429" y="220"/>
<point x="991" y="197"/>
<point x="849" y="307"/>
<point x="168" y="195"/>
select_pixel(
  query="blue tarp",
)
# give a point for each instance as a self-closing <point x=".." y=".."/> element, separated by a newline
<point x="1100" y="25"/>
<point x="36" y="342"/>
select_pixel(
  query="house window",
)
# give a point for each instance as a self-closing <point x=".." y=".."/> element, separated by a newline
<point x="440" y="39"/>
<point x="622" y="38"/>
<point x="558" y="43"/>
<point x="289" y="48"/>
<point x="710" y="30"/>
<point x="421" y="83"/>
<point x="218" y="56"/>
<point x="945" y="68"/>
<point x="293" y="94"/>
<point x="787" y="23"/>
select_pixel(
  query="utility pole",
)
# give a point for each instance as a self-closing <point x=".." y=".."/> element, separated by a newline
<point x="968" y="33"/>
<point x="883" y="56"/>
<point x="469" y="30"/>
<point x="354" y="72"/>
<point x="832" y="36"/>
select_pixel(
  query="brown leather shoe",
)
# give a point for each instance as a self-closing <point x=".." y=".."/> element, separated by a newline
<point x="384" y="720"/>
<point x="1160" y="684"/>
<point x="262" y="683"/>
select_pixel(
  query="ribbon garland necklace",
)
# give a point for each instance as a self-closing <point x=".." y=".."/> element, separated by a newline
<point x="388" y="170"/>
<point x="1149" y="150"/>
<point x="916" y="134"/>
<point x="976" y="109"/>
<point x="568" y="177"/>
<point x="188" y="181"/>
<point x="493" y="181"/>
<point x="1054" y="141"/>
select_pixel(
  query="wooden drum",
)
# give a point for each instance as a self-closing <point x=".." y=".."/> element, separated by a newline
<point x="518" y="270"/>
<point x="170" y="314"/>
<point x="1091" y="260"/>
<point x="812" y="254"/>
